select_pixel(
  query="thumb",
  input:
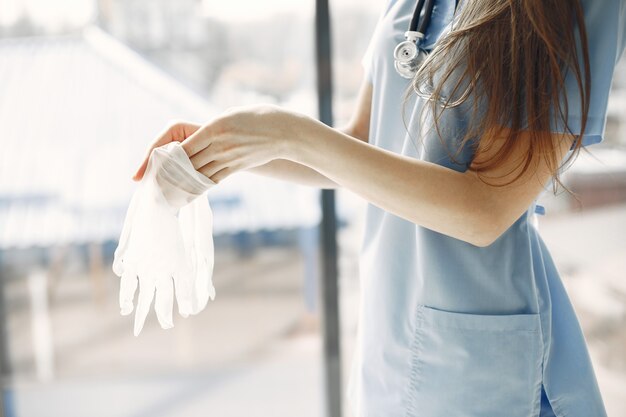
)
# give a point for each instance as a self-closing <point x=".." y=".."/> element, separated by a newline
<point x="175" y="132"/>
<point x="142" y="169"/>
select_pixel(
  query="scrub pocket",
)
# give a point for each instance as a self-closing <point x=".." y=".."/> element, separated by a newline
<point x="475" y="365"/>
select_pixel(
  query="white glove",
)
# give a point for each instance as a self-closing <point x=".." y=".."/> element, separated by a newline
<point x="166" y="242"/>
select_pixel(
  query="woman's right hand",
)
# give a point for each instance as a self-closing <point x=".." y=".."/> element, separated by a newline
<point x="177" y="131"/>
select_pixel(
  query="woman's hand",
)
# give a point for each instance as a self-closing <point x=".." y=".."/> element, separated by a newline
<point x="240" y="138"/>
<point x="177" y="131"/>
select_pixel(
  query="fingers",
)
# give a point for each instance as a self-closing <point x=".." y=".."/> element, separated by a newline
<point x="204" y="241"/>
<point x="203" y="251"/>
<point x="184" y="272"/>
<point x="183" y="292"/>
<point x="161" y="289"/>
<point x="128" y="286"/>
<point x="146" y="293"/>
<point x="137" y="176"/>
<point x="178" y="131"/>
<point x="203" y="285"/>
<point x="120" y="252"/>
<point x="144" y="164"/>
<point x="202" y="158"/>
<point x="192" y="144"/>
<point x="211" y="290"/>
<point x="164" y="301"/>
<point x="198" y="140"/>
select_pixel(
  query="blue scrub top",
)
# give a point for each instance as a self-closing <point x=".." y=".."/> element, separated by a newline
<point x="447" y="328"/>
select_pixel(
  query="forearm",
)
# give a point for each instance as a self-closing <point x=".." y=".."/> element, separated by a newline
<point x="292" y="171"/>
<point x="284" y="169"/>
<point x="427" y="194"/>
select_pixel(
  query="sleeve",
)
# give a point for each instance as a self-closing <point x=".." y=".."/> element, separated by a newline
<point x="367" y="58"/>
<point x="604" y="22"/>
<point x="366" y="62"/>
<point x="621" y="27"/>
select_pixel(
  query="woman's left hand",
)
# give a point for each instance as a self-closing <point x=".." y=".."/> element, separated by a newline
<point x="241" y="138"/>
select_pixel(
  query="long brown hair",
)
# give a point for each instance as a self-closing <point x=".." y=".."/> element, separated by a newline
<point x="510" y="57"/>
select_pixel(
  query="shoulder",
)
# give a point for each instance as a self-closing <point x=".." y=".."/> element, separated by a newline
<point x="605" y="24"/>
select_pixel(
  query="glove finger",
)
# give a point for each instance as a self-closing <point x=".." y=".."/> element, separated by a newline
<point x="128" y="286"/>
<point x="186" y="225"/>
<point x="183" y="295"/>
<point x="202" y="251"/>
<point x="146" y="293"/>
<point x="203" y="230"/>
<point x="202" y="284"/>
<point x="164" y="301"/>
<point x="122" y="246"/>
<point x="203" y="240"/>
<point x="211" y="288"/>
<point x="183" y="273"/>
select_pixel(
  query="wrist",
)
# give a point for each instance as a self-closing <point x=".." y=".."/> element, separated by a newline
<point x="297" y="145"/>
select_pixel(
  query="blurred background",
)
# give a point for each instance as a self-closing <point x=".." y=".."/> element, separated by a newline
<point x="86" y="85"/>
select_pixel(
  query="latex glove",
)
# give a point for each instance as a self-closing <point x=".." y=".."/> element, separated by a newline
<point x="181" y="183"/>
<point x="166" y="242"/>
<point x="197" y="228"/>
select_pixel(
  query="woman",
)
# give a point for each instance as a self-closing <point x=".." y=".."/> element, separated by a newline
<point x="462" y="309"/>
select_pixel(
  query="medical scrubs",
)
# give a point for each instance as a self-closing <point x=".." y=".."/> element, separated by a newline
<point x="447" y="328"/>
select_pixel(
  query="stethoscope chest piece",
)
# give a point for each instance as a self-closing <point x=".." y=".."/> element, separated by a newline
<point x="408" y="57"/>
<point x="405" y="51"/>
<point x="408" y="54"/>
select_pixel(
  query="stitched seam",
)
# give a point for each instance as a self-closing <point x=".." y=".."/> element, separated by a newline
<point x="555" y="407"/>
<point x="552" y="403"/>
<point x="416" y="348"/>
<point x="470" y="329"/>
<point x="537" y="403"/>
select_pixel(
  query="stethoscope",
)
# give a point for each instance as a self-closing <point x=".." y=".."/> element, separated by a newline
<point x="408" y="54"/>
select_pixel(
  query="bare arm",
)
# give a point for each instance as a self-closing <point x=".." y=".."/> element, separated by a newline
<point x="357" y="127"/>
<point x="457" y="204"/>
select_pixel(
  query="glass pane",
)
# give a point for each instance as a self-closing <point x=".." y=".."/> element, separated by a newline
<point x="352" y="27"/>
<point x="79" y="104"/>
